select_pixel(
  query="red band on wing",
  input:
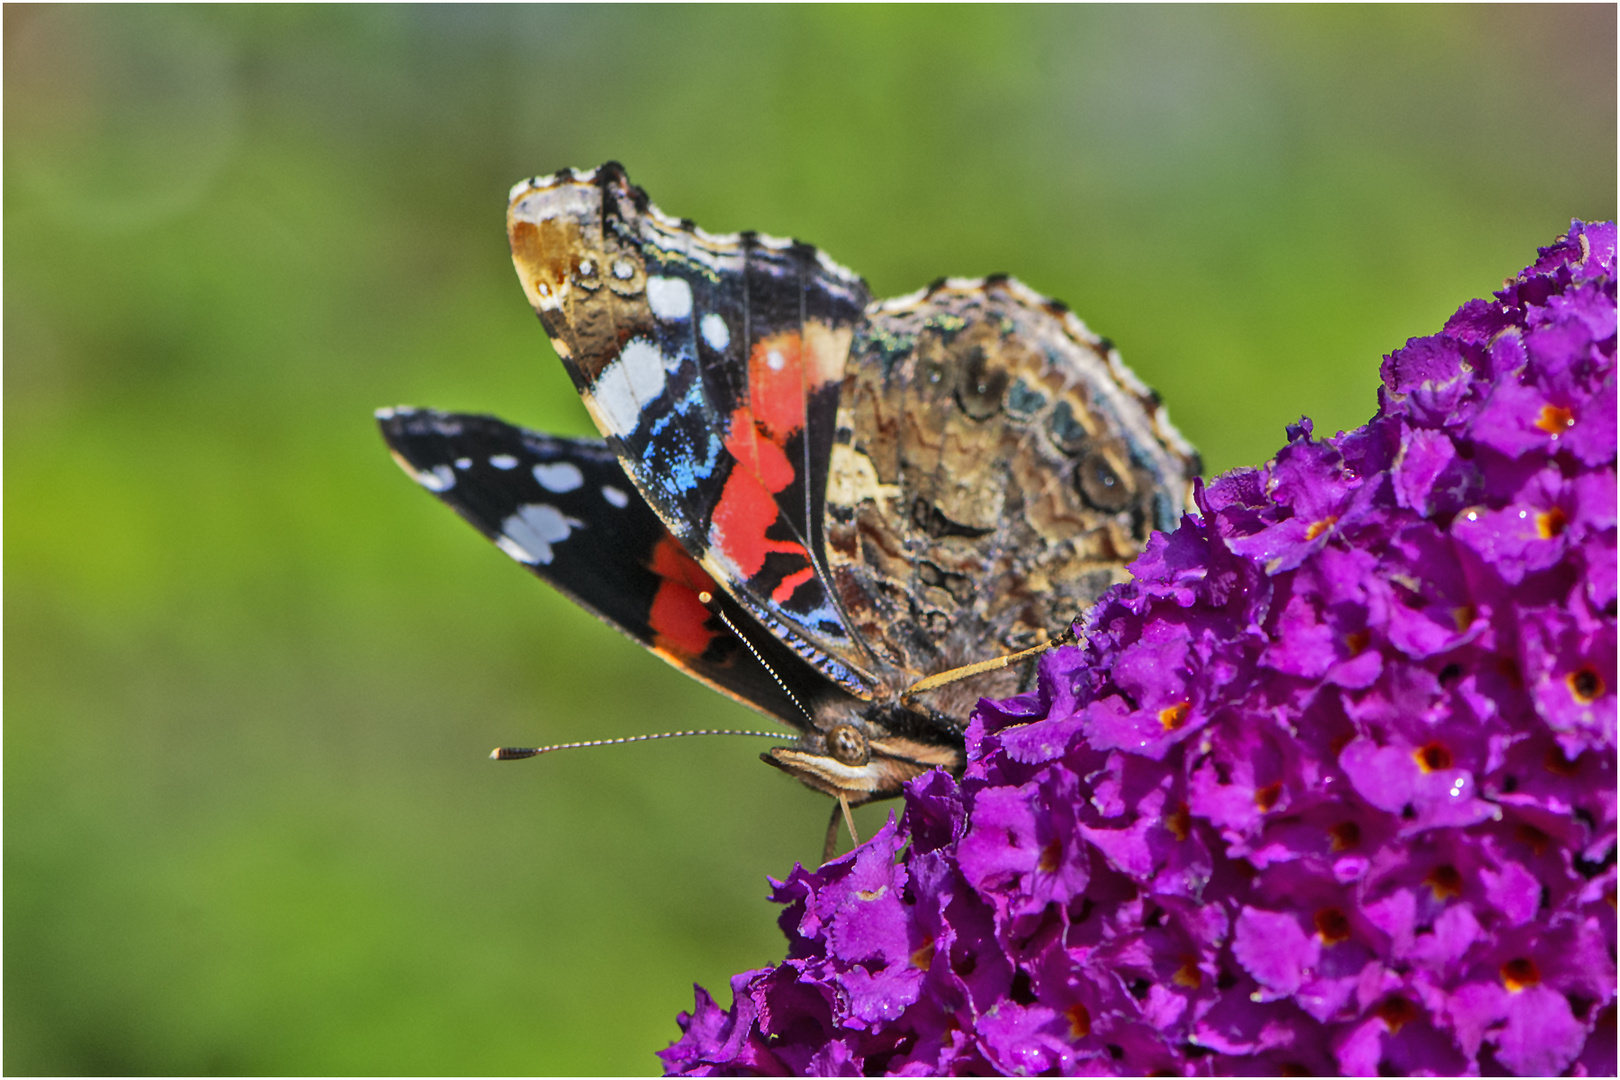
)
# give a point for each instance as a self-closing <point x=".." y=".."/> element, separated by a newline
<point x="756" y="438"/>
<point x="760" y="456"/>
<point x="747" y="506"/>
<point x="743" y="514"/>
<point x="784" y="591"/>
<point x="776" y="389"/>
<point x="670" y="560"/>
<point x="678" y="620"/>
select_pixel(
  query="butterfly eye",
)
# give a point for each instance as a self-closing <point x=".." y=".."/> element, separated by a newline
<point x="1105" y="486"/>
<point x="848" y="745"/>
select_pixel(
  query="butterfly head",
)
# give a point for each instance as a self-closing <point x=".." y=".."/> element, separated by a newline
<point x="867" y="756"/>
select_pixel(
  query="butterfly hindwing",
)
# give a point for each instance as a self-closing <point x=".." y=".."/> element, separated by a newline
<point x="565" y="510"/>
<point x="995" y="471"/>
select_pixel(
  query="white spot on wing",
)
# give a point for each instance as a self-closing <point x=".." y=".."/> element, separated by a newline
<point x="623" y="270"/>
<point x="463" y="463"/>
<point x="527" y="535"/>
<point x="548" y="299"/>
<point x="775" y="360"/>
<point x="611" y="392"/>
<point x="645" y="367"/>
<point x="615" y="496"/>
<point x="669" y="297"/>
<point x="508" y="545"/>
<point x="503" y="461"/>
<point x="715" y="332"/>
<point x="559" y="476"/>
<point x="438" y="478"/>
<point x="627" y="384"/>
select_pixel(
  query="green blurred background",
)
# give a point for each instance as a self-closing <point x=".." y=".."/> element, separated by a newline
<point x="252" y="671"/>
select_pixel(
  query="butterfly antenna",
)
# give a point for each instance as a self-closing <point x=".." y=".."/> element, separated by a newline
<point x="707" y="600"/>
<point x="517" y="753"/>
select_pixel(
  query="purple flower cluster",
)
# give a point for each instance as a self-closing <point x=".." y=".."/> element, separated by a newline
<point x="1328" y="788"/>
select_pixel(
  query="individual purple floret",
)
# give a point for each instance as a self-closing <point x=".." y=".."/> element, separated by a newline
<point x="1329" y="787"/>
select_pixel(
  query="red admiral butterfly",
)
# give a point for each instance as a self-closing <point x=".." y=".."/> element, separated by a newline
<point x="807" y="499"/>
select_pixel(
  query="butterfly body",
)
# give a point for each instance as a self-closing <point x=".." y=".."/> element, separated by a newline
<point x="825" y="498"/>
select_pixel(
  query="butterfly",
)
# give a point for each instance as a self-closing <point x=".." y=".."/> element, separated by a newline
<point x="807" y="499"/>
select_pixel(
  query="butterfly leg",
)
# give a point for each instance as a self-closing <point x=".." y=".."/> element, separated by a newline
<point x="841" y="811"/>
<point x="945" y="678"/>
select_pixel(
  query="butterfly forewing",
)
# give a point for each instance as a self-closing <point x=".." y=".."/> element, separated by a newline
<point x="565" y="510"/>
<point x="713" y="366"/>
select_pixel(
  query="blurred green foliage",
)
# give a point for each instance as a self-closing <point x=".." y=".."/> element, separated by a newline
<point x="252" y="670"/>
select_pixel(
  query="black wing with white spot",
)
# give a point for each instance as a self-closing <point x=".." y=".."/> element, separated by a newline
<point x="564" y="509"/>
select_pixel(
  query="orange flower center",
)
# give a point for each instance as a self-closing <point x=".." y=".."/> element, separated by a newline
<point x="1332" y="926"/>
<point x="1175" y="715"/>
<point x="1585" y="684"/>
<point x="1179" y="822"/>
<point x="1555" y="420"/>
<point x="1396" y="1013"/>
<point x="1317" y="528"/>
<point x="1433" y="757"/>
<point x="1444" y="882"/>
<point x="1265" y="798"/>
<point x="1346" y="835"/>
<point x="1520" y="974"/>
